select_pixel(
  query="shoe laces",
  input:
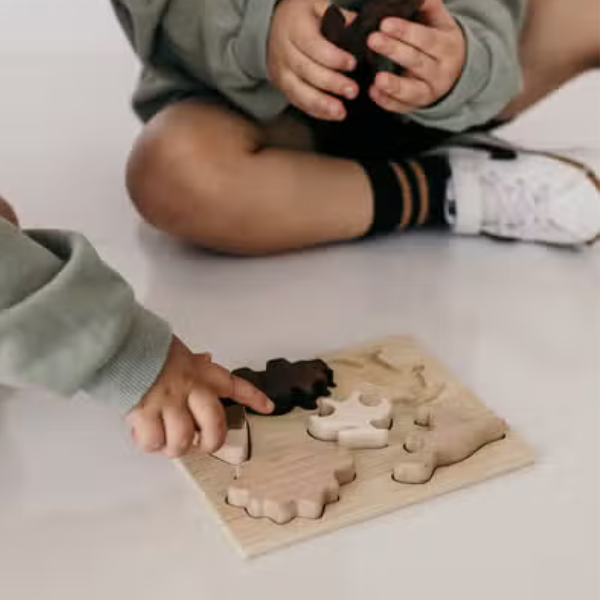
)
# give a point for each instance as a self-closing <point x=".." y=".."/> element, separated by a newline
<point x="517" y="202"/>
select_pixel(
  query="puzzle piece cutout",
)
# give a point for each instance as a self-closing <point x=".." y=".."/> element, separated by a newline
<point x="423" y="389"/>
<point x="352" y="423"/>
<point x="236" y="448"/>
<point x="453" y="436"/>
<point x="290" y="384"/>
<point x="296" y="483"/>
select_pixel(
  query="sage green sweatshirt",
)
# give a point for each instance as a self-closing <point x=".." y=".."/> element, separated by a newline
<point x="218" y="49"/>
<point x="69" y="323"/>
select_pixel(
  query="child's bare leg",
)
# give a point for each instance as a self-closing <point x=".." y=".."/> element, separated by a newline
<point x="205" y="174"/>
<point x="7" y="212"/>
<point x="560" y="40"/>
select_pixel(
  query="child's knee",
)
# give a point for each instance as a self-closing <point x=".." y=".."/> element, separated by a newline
<point x="170" y="168"/>
<point x="7" y="212"/>
<point x="183" y="178"/>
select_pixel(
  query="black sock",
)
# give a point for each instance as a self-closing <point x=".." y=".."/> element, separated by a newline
<point x="407" y="194"/>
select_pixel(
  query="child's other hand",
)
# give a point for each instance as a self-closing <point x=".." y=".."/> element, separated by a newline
<point x="185" y="399"/>
<point x="304" y="65"/>
<point x="433" y="53"/>
<point x="7" y="212"/>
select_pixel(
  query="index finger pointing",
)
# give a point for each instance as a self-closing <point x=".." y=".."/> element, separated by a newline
<point x="245" y="393"/>
<point x="227" y="385"/>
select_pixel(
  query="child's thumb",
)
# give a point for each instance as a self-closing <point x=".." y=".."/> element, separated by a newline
<point x="435" y="14"/>
<point x="320" y="7"/>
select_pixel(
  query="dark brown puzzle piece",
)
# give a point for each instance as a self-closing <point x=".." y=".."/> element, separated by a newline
<point x="353" y="38"/>
<point x="290" y="384"/>
<point x="368" y="129"/>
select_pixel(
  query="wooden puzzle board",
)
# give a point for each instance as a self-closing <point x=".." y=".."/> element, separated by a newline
<point x="417" y="379"/>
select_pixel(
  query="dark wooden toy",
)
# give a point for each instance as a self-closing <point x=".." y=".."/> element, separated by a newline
<point x="290" y="384"/>
<point x="368" y="130"/>
<point x="353" y="38"/>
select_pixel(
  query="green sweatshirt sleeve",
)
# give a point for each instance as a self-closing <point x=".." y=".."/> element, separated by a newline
<point x="188" y="45"/>
<point x="69" y="323"/>
<point x="491" y="76"/>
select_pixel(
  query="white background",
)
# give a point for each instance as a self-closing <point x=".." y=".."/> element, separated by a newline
<point x="83" y="515"/>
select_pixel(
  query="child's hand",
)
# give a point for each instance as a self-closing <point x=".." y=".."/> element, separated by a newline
<point x="433" y="53"/>
<point x="185" y="400"/>
<point x="304" y="65"/>
<point x="7" y="212"/>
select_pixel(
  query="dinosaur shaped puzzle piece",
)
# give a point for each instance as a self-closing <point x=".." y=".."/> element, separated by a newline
<point x="452" y="436"/>
<point x="353" y="37"/>
<point x="352" y="423"/>
<point x="290" y="384"/>
<point x="296" y="483"/>
<point x="368" y="127"/>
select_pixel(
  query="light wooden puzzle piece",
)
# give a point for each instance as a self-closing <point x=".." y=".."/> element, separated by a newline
<point x="453" y="435"/>
<point x="295" y="483"/>
<point x="352" y="423"/>
<point x="236" y="448"/>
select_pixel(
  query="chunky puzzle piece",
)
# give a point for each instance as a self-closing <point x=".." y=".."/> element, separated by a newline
<point x="353" y="37"/>
<point x="453" y="435"/>
<point x="236" y="448"/>
<point x="290" y="384"/>
<point x="352" y="423"/>
<point x="297" y="483"/>
<point x="368" y="127"/>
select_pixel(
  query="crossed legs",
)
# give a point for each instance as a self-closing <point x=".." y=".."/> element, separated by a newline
<point x="207" y="175"/>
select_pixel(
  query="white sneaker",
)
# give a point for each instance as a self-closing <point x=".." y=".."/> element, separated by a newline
<point x="535" y="197"/>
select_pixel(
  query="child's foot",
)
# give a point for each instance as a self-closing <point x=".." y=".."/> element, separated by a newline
<point x="534" y="197"/>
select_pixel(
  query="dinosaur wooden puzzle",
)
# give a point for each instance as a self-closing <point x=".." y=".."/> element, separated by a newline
<point x="287" y="490"/>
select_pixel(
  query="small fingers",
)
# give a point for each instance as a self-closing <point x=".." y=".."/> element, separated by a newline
<point x="389" y="103"/>
<point x="407" y="91"/>
<point x="435" y="14"/>
<point x="7" y="212"/>
<point x="243" y="392"/>
<point x="310" y="100"/>
<point x="322" y="77"/>
<point x="227" y="385"/>
<point x="320" y="8"/>
<point x="209" y="416"/>
<point x="147" y="429"/>
<point x="322" y="51"/>
<point x="423" y="38"/>
<point x="180" y="430"/>
<point x="417" y="62"/>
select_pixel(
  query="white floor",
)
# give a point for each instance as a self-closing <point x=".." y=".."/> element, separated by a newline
<point x="83" y="515"/>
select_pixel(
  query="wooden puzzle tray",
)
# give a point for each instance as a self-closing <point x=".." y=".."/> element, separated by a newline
<point x="416" y="380"/>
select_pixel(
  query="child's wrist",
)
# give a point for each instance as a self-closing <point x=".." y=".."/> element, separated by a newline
<point x="136" y="365"/>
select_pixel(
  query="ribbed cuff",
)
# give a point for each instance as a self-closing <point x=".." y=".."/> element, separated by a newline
<point x="126" y="378"/>
<point x="253" y="41"/>
<point x="263" y="101"/>
<point x="453" y="112"/>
